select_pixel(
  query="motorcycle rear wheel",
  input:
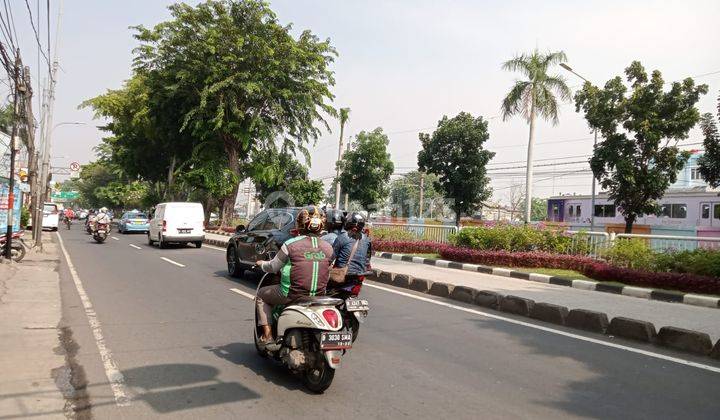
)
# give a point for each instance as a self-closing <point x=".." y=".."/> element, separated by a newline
<point x="319" y="378"/>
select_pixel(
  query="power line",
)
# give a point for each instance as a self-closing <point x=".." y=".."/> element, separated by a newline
<point x="37" y="35"/>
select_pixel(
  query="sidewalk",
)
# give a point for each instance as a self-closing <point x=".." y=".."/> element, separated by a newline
<point x="659" y="313"/>
<point x="31" y="360"/>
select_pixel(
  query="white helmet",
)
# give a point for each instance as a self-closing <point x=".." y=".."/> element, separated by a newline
<point x="103" y="209"/>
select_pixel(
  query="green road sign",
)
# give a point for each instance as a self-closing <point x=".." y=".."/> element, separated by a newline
<point x="65" y="195"/>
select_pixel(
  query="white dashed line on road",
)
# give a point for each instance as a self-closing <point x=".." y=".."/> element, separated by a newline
<point x="553" y="331"/>
<point x="214" y="247"/>
<point x="135" y="246"/>
<point x="244" y="294"/>
<point x="115" y="238"/>
<point x="172" y="262"/>
<point x="114" y="376"/>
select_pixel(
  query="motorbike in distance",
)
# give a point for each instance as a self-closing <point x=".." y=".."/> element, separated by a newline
<point x="100" y="232"/>
<point x="311" y="339"/>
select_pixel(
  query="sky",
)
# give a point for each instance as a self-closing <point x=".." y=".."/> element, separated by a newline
<point x="403" y="65"/>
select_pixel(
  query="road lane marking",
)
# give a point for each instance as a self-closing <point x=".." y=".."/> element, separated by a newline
<point x="553" y="331"/>
<point x="214" y="247"/>
<point x="135" y="246"/>
<point x="245" y="294"/>
<point x="115" y="238"/>
<point x="172" y="262"/>
<point x="114" y="376"/>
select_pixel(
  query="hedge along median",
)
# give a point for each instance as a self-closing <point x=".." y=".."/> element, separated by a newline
<point x="589" y="267"/>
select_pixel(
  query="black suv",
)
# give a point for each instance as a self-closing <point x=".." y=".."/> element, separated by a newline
<point x="262" y="237"/>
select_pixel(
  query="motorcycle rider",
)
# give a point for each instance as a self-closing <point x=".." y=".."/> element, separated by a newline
<point x="304" y="263"/>
<point x="354" y="232"/>
<point x="335" y="223"/>
<point x="101" y="218"/>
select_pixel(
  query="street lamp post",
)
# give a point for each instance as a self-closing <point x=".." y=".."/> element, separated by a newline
<point x="592" y="202"/>
<point x="42" y="183"/>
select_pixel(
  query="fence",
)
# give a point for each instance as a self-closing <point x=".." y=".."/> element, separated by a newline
<point x="591" y="244"/>
<point x="437" y="233"/>
<point x="669" y="243"/>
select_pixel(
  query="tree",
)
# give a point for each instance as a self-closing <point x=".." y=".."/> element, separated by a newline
<point x="274" y="172"/>
<point x="343" y="116"/>
<point x="639" y="158"/>
<point x="305" y="192"/>
<point x="405" y="194"/>
<point x="539" y="209"/>
<point x="455" y="154"/>
<point x="365" y="170"/>
<point x="238" y="78"/>
<point x="709" y="162"/>
<point x="533" y="96"/>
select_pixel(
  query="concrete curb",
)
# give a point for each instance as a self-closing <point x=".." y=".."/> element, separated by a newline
<point x="639" y="292"/>
<point x="597" y="322"/>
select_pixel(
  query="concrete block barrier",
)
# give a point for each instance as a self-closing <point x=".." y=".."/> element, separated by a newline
<point x="549" y="312"/>
<point x="440" y="289"/>
<point x="420" y="285"/>
<point x="632" y="329"/>
<point x="685" y="340"/>
<point x="385" y="277"/>
<point x="374" y="274"/>
<point x="401" y="280"/>
<point x="488" y="299"/>
<point x="715" y="353"/>
<point x="588" y="320"/>
<point x="463" y="294"/>
<point x="516" y="305"/>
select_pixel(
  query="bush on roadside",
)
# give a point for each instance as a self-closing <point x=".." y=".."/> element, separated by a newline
<point x="704" y="262"/>
<point x="630" y="253"/>
<point x="407" y="247"/>
<point x="24" y="217"/>
<point x="390" y="234"/>
<point x="504" y="237"/>
<point x="684" y="282"/>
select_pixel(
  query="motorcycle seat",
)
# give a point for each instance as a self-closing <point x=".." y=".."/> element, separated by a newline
<point x="317" y="301"/>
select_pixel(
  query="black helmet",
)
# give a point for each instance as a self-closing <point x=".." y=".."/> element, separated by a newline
<point x="335" y="219"/>
<point x="355" y="222"/>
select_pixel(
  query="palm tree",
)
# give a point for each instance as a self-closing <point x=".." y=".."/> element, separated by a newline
<point x="534" y="95"/>
<point x="343" y="115"/>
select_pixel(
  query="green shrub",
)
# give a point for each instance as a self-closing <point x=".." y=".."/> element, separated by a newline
<point x="630" y="253"/>
<point x="390" y="234"/>
<point x="24" y="217"/>
<point x="705" y="262"/>
<point x="513" y="238"/>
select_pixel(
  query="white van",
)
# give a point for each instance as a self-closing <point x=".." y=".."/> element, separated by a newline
<point x="51" y="217"/>
<point x="178" y="223"/>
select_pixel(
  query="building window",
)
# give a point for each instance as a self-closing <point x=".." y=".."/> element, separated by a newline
<point x="674" y="211"/>
<point x="571" y="211"/>
<point x="716" y="211"/>
<point x="607" y="210"/>
<point x="577" y="211"/>
<point x="695" y="174"/>
<point x="705" y="211"/>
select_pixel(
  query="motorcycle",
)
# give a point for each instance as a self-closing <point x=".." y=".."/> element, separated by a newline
<point x="68" y="222"/>
<point x="17" y="248"/>
<point x="100" y="233"/>
<point x="354" y="311"/>
<point x="311" y="338"/>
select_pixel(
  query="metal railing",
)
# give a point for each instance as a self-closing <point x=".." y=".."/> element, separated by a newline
<point x="591" y="244"/>
<point x="437" y="233"/>
<point x="669" y="243"/>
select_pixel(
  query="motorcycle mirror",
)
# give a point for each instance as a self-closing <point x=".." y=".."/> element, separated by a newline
<point x="240" y="228"/>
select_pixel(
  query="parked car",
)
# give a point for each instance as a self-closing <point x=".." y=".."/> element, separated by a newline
<point x="177" y="222"/>
<point x="51" y="217"/>
<point x="262" y="237"/>
<point x="134" y="221"/>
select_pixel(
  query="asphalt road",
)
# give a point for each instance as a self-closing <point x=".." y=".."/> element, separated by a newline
<point x="183" y="343"/>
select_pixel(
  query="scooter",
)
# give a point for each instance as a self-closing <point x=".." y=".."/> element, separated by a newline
<point x="17" y="247"/>
<point x="354" y="310"/>
<point x="311" y="338"/>
<point x="100" y="233"/>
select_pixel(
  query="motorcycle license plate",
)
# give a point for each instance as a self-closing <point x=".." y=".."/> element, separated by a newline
<point x="354" y="305"/>
<point x="335" y="340"/>
<point x="101" y="231"/>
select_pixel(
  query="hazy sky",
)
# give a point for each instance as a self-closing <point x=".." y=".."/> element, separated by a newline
<point x="402" y="65"/>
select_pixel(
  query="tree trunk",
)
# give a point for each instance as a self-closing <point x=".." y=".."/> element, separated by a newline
<point x="457" y="219"/>
<point x="228" y="202"/>
<point x="629" y="224"/>
<point x="337" y="169"/>
<point x="170" y="193"/>
<point x="528" y="173"/>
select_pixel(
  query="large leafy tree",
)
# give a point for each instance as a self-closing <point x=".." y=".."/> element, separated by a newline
<point x="365" y="169"/>
<point x="405" y="195"/>
<point x="532" y="96"/>
<point x="639" y="158"/>
<point x="305" y="192"/>
<point x="709" y="162"/>
<point x="454" y="152"/>
<point x="273" y="172"/>
<point x="237" y="77"/>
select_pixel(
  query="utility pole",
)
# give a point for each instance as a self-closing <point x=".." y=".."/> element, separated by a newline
<point x="422" y="193"/>
<point x="11" y="192"/>
<point x="32" y="153"/>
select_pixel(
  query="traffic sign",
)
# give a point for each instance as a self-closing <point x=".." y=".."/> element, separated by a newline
<point x="74" y="166"/>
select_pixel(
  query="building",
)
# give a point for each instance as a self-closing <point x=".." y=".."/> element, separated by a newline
<point x="689" y="208"/>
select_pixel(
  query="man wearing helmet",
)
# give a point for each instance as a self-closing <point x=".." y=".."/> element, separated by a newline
<point x="335" y="223"/>
<point x="343" y="249"/>
<point x="101" y="217"/>
<point x="304" y="264"/>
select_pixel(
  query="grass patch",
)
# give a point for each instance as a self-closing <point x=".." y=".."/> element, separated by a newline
<point x="559" y="272"/>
